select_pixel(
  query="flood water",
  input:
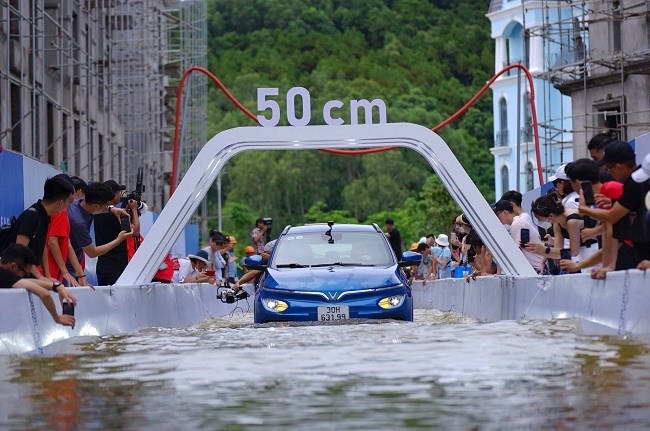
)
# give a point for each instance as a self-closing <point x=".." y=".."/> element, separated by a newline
<point x="441" y="372"/>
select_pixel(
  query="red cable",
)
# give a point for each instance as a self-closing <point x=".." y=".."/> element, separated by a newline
<point x="462" y="110"/>
<point x="179" y="94"/>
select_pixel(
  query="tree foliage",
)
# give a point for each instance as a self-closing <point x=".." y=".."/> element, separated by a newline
<point x="424" y="59"/>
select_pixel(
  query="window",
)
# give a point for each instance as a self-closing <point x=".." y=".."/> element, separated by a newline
<point x="607" y="115"/>
<point x="505" y="181"/>
<point x="527" y="132"/>
<point x="503" y="123"/>
<point x="530" y="179"/>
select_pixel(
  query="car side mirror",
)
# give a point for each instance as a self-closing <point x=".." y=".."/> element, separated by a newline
<point x="255" y="262"/>
<point x="410" y="258"/>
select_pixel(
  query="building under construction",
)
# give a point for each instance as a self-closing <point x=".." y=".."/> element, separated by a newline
<point x="590" y="62"/>
<point x="89" y="86"/>
<point x="610" y="84"/>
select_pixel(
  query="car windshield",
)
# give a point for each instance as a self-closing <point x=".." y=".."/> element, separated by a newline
<point x="348" y="249"/>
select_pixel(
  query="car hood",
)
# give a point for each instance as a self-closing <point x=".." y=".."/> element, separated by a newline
<point x="331" y="278"/>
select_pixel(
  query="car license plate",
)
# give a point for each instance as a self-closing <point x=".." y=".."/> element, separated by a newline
<point x="333" y="313"/>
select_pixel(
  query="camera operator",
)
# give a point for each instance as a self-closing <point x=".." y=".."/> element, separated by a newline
<point x="262" y="225"/>
<point x="108" y="226"/>
<point x="253" y="274"/>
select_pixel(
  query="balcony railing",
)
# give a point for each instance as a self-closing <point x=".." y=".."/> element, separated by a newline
<point x="526" y="134"/>
<point x="501" y="139"/>
<point x="513" y="72"/>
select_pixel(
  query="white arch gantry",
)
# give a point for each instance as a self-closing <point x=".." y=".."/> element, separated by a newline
<point x="216" y="152"/>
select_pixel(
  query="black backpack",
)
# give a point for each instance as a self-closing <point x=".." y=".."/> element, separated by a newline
<point x="6" y="231"/>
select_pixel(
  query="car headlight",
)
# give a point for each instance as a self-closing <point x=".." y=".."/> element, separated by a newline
<point x="274" y="304"/>
<point x="391" y="301"/>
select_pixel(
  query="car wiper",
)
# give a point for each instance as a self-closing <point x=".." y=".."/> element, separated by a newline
<point x="291" y="265"/>
<point x="341" y="264"/>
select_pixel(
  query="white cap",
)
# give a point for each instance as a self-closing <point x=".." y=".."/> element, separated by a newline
<point x="642" y="174"/>
<point x="442" y="240"/>
<point x="422" y="240"/>
<point x="559" y="174"/>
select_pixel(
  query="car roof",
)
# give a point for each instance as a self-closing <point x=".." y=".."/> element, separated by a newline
<point x="321" y="227"/>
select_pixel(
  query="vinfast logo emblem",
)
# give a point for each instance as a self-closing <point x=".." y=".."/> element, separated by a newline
<point x="333" y="295"/>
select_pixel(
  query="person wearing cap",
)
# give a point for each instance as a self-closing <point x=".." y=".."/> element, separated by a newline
<point x="505" y="212"/>
<point x="59" y="248"/>
<point x="190" y="269"/>
<point x="108" y="226"/>
<point x="254" y="273"/>
<point x="248" y="251"/>
<point x="627" y="214"/>
<point x="614" y="255"/>
<point x="563" y="185"/>
<point x="117" y="191"/>
<point x="394" y="238"/>
<point x="442" y="259"/>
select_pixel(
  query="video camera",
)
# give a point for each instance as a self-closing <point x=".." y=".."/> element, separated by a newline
<point x="229" y="296"/>
<point x="136" y="194"/>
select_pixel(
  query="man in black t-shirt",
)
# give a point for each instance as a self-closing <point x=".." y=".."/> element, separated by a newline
<point x="108" y="226"/>
<point x="18" y="261"/>
<point x="627" y="214"/>
<point x="31" y="226"/>
<point x="394" y="238"/>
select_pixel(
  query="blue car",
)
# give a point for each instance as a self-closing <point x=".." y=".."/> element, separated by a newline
<point x="332" y="272"/>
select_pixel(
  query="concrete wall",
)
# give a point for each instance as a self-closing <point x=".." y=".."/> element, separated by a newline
<point x="616" y="305"/>
<point x="29" y="328"/>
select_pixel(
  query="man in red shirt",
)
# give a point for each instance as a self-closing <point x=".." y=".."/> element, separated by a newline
<point x="58" y="243"/>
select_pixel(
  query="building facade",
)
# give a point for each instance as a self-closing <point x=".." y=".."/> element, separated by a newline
<point x="89" y="86"/>
<point x="519" y="28"/>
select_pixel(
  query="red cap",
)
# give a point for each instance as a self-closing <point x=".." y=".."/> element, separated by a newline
<point x="612" y="189"/>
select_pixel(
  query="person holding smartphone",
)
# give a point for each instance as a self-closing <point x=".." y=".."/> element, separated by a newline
<point x="17" y="262"/>
<point x="521" y="231"/>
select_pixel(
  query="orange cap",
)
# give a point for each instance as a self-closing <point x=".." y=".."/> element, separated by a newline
<point x="249" y="249"/>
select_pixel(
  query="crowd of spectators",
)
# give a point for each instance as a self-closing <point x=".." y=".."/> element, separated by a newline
<point x="595" y="220"/>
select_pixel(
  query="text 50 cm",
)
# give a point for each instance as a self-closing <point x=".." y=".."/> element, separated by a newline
<point x="264" y="103"/>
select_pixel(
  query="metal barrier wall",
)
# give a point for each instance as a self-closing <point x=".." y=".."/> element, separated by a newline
<point x="617" y="305"/>
<point x="614" y="306"/>
<point x="29" y="328"/>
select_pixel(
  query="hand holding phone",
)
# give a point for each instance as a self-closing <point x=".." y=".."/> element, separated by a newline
<point x="68" y="308"/>
<point x="125" y="222"/>
<point x="525" y="236"/>
<point x="588" y="192"/>
<point x="565" y="254"/>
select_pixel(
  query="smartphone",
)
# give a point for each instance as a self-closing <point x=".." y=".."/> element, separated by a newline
<point x="588" y="192"/>
<point x="125" y="222"/>
<point x="68" y="308"/>
<point x="525" y="236"/>
<point x="565" y="253"/>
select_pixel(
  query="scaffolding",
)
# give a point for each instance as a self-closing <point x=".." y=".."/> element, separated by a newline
<point x="597" y="52"/>
<point x="89" y="86"/>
